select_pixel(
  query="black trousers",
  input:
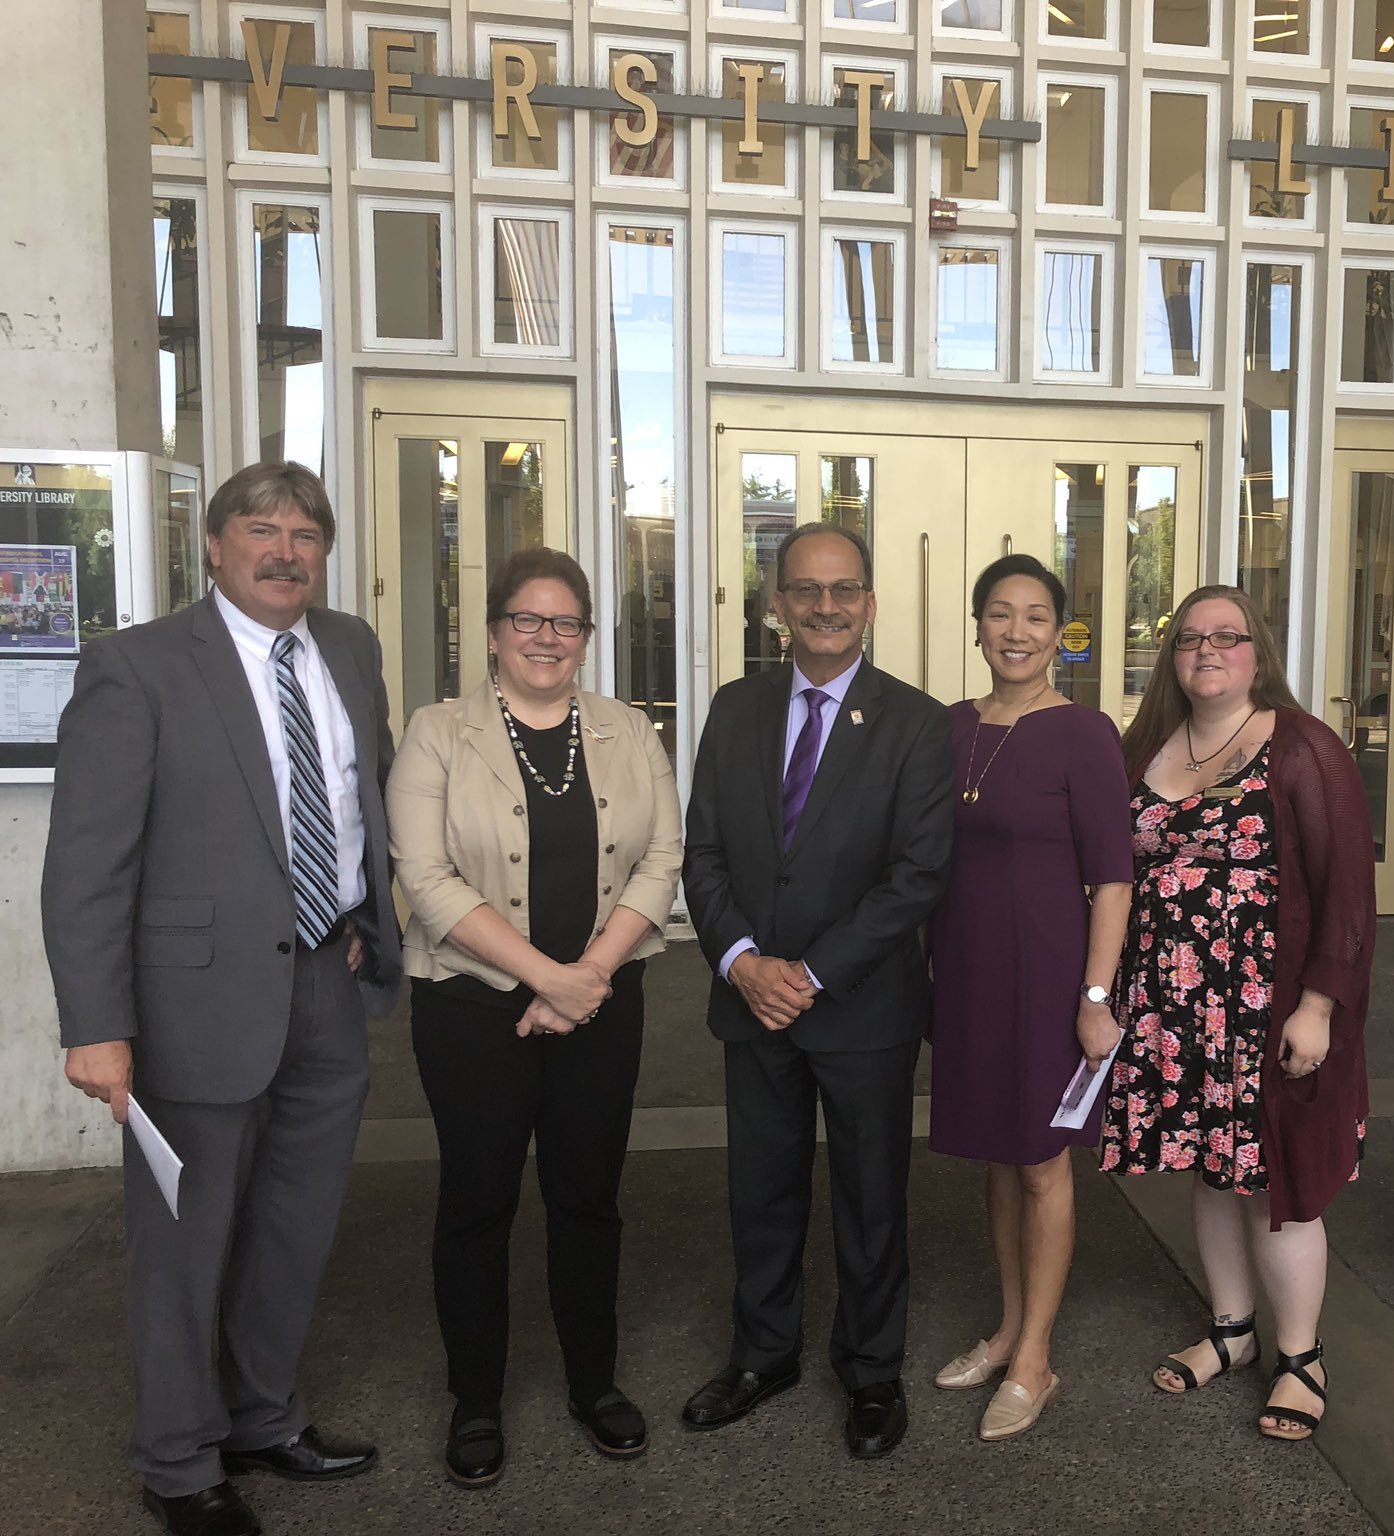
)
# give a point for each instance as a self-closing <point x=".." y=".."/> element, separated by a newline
<point x="772" y="1093"/>
<point x="490" y="1093"/>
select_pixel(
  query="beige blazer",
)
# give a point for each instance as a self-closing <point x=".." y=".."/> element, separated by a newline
<point x="458" y="825"/>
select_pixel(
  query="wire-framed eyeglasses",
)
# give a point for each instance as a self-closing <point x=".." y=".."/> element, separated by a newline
<point x="566" y="625"/>
<point x="844" y="593"/>
<point x="1221" y="639"/>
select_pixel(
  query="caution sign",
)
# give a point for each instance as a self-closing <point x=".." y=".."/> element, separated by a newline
<point x="1076" y="641"/>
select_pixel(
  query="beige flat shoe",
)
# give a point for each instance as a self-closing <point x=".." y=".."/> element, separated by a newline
<point x="970" y="1369"/>
<point x="1013" y="1409"/>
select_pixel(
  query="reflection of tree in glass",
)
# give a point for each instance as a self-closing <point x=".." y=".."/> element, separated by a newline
<point x="1151" y="563"/>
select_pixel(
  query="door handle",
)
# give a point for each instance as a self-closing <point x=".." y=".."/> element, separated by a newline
<point x="924" y="610"/>
<point x="1343" y="699"/>
<point x="1006" y="543"/>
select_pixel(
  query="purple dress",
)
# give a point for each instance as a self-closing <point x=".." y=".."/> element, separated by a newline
<point x="1012" y="933"/>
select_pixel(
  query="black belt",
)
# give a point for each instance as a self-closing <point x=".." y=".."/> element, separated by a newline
<point x="332" y="937"/>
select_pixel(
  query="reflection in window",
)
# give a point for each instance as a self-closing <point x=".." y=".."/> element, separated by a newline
<point x="845" y="501"/>
<point x="178" y="558"/>
<point x="1075" y="145"/>
<point x="1374" y="30"/>
<point x="978" y="15"/>
<point x="287" y="272"/>
<point x="654" y="159"/>
<point x="768" y="512"/>
<point x="1072" y="301"/>
<point x="420" y="142"/>
<point x="1364" y="205"/>
<point x="868" y="10"/>
<point x="514" y="150"/>
<point x="428" y="499"/>
<point x="644" y="475"/>
<point x="1077" y="18"/>
<point x="1176" y="182"/>
<point x="1285" y="28"/>
<point x="1367" y="327"/>
<point x="295" y="128"/>
<point x="171" y="101"/>
<point x="1272" y="304"/>
<point x="955" y="179"/>
<point x="527" y="282"/>
<point x="176" y="306"/>
<point x="863" y="318"/>
<point x="1371" y="594"/>
<point x="1265" y="201"/>
<point x="1079" y="563"/>
<point x="752" y="294"/>
<point x="767" y="169"/>
<point x="1172" y="312"/>
<point x="967" y="292"/>
<point x="1181" y="23"/>
<point x="874" y="176"/>
<point x="1151" y="575"/>
<point x="778" y="6"/>
<point x="407" y="292"/>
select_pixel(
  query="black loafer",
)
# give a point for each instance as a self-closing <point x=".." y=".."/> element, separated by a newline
<point x="216" y="1511"/>
<point x="474" y="1449"/>
<point x="733" y="1393"/>
<point x="616" y="1426"/>
<point x="309" y="1457"/>
<point x="875" y="1418"/>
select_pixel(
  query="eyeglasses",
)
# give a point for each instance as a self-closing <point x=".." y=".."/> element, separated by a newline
<point x="845" y="593"/>
<point x="565" y="625"/>
<point x="1221" y="639"/>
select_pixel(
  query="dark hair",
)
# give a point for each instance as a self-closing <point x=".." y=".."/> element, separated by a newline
<point x="803" y="531"/>
<point x="1018" y="565"/>
<point x="526" y="565"/>
<point x="261" y="489"/>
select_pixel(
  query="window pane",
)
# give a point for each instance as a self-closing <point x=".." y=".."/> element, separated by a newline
<point x="1075" y="145"/>
<point x="1176" y="183"/>
<point x="1374" y="30"/>
<point x="981" y="15"/>
<point x="1372" y="612"/>
<point x="1264" y="200"/>
<point x="422" y="141"/>
<point x="171" y="101"/>
<point x="1367" y="330"/>
<point x="1151" y="575"/>
<point x="875" y="176"/>
<point x="845" y="501"/>
<point x="407" y="275"/>
<point x="752" y="294"/>
<point x="1364" y="205"/>
<point x="515" y="151"/>
<point x="754" y="5"/>
<point x="295" y="129"/>
<point x="429" y="518"/>
<point x="1077" y="18"/>
<point x="527" y="282"/>
<point x="1272" y="303"/>
<point x="654" y="159"/>
<point x="1285" y="28"/>
<point x="1181" y="23"/>
<point x="967" y="332"/>
<point x="1079" y="563"/>
<point x="1072" y="302"/>
<point x="178" y="559"/>
<point x="1172" y="317"/>
<point x="863" y="322"/>
<point x="290" y="338"/>
<point x="766" y="169"/>
<point x="768" y="512"/>
<point x="176" y="305"/>
<point x="867" y="10"/>
<point x="955" y="179"/>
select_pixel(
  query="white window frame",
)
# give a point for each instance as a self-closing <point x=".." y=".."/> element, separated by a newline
<point x="363" y="24"/>
<point x="1206" y="255"/>
<point x="300" y="197"/>
<point x="789" y="231"/>
<point x="191" y="9"/>
<point x="1006" y="106"/>
<point x="1371" y="261"/>
<point x="1107" y="253"/>
<point x="198" y="196"/>
<point x="829" y="235"/>
<point x="1261" y="61"/>
<point x="647" y="46"/>
<point x="900" y="158"/>
<point x="1365" y="104"/>
<point x="485" y="35"/>
<point x="1210" y="94"/>
<point x="1052" y="79"/>
<point x="1312" y="101"/>
<point x="241" y="130"/>
<point x="840" y="25"/>
<point x="485" y="214"/>
<point x="1002" y="245"/>
<point x="1108" y="43"/>
<point x="793" y="138"/>
<point x="372" y="339"/>
<point x="950" y="35"/>
<point x="1181" y="50"/>
<point x="663" y="7"/>
<point x="721" y="11"/>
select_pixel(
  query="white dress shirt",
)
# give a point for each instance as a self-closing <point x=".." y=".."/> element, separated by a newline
<point x="333" y="730"/>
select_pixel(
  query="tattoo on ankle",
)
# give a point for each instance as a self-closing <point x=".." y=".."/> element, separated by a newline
<point x="1228" y="1319"/>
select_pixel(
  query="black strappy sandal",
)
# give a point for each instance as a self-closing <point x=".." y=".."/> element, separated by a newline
<point x="1219" y="1333"/>
<point x="1296" y="1365"/>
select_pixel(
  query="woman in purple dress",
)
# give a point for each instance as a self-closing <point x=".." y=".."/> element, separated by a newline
<point x="1024" y="962"/>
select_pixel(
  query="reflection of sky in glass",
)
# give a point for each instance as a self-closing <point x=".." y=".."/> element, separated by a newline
<point x="303" y="305"/>
<point x="968" y="315"/>
<point x="164" y="275"/>
<point x="1280" y="327"/>
<point x="1280" y="432"/>
<point x="304" y="438"/>
<point x="866" y="10"/>
<point x="1161" y="348"/>
<point x="168" y="400"/>
<point x="861" y="271"/>
<point x="642" y="320"/>
<point x="1154" y="484"/>
<point x="971" y="13"/>
<point x="775" y="472"/>
<point x="1071" y="342"/>
<point x="752" y="295"/>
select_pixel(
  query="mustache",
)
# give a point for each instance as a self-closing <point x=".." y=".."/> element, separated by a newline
<point x="283" y="570"/>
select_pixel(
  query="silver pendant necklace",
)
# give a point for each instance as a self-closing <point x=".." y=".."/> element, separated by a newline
<point x="573" y="742"/>
<point x="1197" y="763"/>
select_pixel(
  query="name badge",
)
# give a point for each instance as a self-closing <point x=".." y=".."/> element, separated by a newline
<point x="1223" y="792"/>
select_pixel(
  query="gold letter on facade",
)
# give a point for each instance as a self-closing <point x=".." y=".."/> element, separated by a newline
<point x="861" y="81"/>
<point x="751" y="75"/>
<point x="1386" y="192"/>
<point x="501" y="55"/>
<point x="1287" y="180"/>
<point x="620" y="72"/>
<point x="974" y="114"/>
<point x="266" y="83"/>
<point x="385" y="81"/>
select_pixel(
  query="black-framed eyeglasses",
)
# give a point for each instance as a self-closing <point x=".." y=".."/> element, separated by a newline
<point x="1221" y="639"/>
<point x="844" y="593"/>
<point x="566" y="625"/>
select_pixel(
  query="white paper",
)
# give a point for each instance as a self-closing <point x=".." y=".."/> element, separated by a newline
<point x="1078" y="1099"/>
<point x="164" y="1164"/>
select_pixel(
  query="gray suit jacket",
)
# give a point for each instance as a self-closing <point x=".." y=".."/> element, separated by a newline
<point x="168" y="914"/>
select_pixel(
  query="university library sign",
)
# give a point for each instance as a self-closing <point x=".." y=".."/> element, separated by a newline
<point x="514" y="90"/>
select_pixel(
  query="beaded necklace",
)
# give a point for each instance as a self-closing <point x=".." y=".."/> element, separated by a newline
<point x="573" y="742"/>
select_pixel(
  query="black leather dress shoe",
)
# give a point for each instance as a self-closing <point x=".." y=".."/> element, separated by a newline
<point x="474" y="1449"/>
<point x="616" y="1426"/>
<point x="875" y="1418"/>
<point x="732" y="1394"/>
<point x="308" y="1458"/>
<point x="216" y="1511"/>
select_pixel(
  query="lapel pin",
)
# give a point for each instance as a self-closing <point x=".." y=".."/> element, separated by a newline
<point x="856" y="717"/>
<point x="595" y="735"/>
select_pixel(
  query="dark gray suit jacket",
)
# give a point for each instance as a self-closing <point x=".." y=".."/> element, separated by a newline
<point x="168" y="913"/>
<point x="868" y="862"/>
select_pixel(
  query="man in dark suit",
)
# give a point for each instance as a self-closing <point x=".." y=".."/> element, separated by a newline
<point x="218" y="916"/>
<point x="818" y="840"/>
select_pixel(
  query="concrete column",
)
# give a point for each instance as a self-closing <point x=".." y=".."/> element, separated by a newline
<point x="77" y="370"/>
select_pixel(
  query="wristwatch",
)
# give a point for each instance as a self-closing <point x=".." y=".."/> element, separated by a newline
<point x="1094" y="994"/>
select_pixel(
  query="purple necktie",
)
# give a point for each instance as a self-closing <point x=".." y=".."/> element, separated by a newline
<point x="798" y="776"/>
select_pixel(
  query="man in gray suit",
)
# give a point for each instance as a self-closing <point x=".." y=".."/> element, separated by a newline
<point x="218" y="916"/>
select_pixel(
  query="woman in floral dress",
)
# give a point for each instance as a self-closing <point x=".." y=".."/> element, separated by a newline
<point x="1244" y="985"/>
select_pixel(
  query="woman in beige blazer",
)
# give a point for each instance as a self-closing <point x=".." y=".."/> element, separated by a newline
<point x="537" y="839"/>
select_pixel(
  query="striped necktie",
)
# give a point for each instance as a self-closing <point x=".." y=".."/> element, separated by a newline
<point x="314" y="859"/>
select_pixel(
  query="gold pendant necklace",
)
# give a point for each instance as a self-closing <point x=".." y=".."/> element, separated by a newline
<point x="970" y="793"/>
